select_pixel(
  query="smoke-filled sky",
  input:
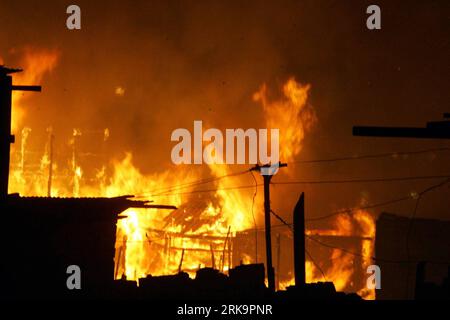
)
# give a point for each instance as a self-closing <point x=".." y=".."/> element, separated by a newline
<point x="179" y="61"/>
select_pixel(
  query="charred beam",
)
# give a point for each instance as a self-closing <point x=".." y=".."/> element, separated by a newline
<point x="433" y="130"/>
<point x="27" y="88"/>
<point x="403" y="132"/>
<point x="299" y="242"/>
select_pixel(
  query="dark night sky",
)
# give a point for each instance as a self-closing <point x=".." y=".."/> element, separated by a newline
<point x="180" y="61"/>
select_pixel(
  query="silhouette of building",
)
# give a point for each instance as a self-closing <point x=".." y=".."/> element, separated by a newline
<point x="43" y="236"/>
<point x="407" y="250"/>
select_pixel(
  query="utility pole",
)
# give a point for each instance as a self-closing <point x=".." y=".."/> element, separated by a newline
<point x="267" y="172"/>
<point x="6" y="138"/>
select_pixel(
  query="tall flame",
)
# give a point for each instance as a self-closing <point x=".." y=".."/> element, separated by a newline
<point x="35" y="63"/>
<point x="199" y="233"/>
<point x="292" y="115"/>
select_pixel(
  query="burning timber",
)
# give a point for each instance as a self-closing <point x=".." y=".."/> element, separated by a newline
<point x="56" y="233"/>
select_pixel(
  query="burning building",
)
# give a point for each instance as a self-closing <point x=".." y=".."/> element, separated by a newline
<point x="56" y="233"/>
<point x="103" y="129"/>
<point x="115" y="90"/>
<point x="213" y="227"/>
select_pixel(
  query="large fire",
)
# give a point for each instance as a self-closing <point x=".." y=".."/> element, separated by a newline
<point x="210" y="212"/>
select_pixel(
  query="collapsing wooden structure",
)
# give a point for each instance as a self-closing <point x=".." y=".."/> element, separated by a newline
<point x="42" y="237"/>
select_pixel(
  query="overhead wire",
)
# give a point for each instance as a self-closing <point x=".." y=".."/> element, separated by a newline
<point x="372" y="156"/>
<point x="162" y="191"/>
<point x="311" y="258"/>
<point x="390" y="179"/>
<point x="165" y="190"/>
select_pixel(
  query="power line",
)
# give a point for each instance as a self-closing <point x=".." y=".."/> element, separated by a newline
<point x="431" y="177"/>
<point x="433" y="187"/>
<point x="372" y="156"/>
<point x="413" y="216"/>
<point x="411" y="221"/>
<point x="334" y="213"/>
<point x="339" y="248"/>
<point x="369" y="156"/>
<point x="369" y="257"/>
<point x="350" y="252"/>
<point x="204" y="181"/>
<point x="349" y="210"/>
<point x="371" y="206"/>
<point x="317" y="265"/>
<point x="290" y="227"/>
<point x="205" y="190"/>
<point x="311" y="238"/>
<point x="162" y="191"/>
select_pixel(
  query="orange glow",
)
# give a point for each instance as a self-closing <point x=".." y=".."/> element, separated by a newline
<point x="292" y="115"/>
<point x="359" y="224"/>
<point x="35" y="63"/>
<point x="157" y="242"/>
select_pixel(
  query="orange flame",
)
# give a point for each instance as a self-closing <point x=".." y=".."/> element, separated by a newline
<point x="156" y="242"/>
<point x="35" y="63"/>
<point x="360" y="224"/>
<point x="292" y="115"/>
